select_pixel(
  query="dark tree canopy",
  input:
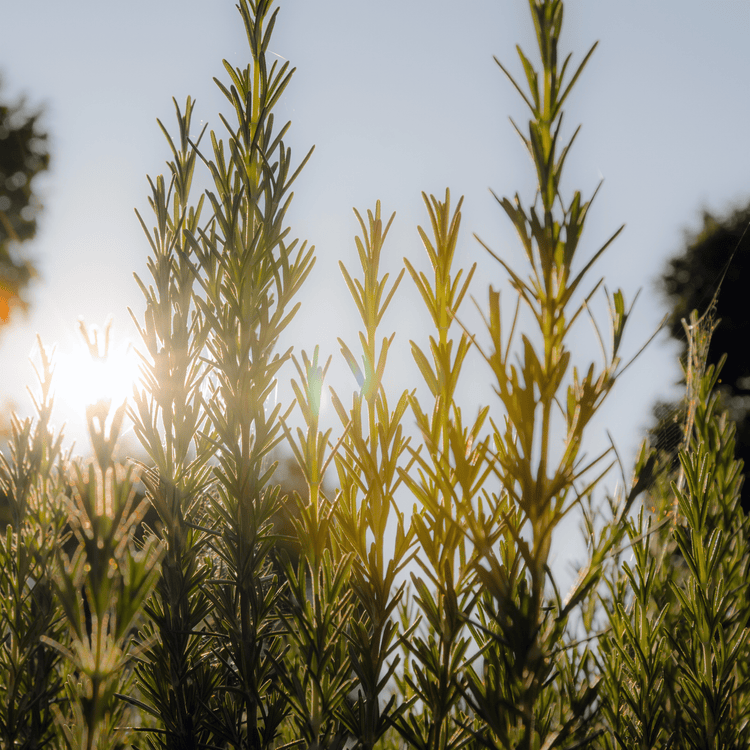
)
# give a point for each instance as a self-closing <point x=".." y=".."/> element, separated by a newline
<point x="690" y="283"/>
<point x="23" y="155"/>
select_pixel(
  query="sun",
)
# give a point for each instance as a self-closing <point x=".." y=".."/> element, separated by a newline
<point x="97" y="369"/>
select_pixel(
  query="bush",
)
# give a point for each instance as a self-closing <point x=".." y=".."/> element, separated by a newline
<point x="213" y="630"/>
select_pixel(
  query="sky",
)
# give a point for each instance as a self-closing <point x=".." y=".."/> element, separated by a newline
<point x="398" y="97"/>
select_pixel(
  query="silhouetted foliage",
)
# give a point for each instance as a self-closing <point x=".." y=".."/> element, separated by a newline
<point x="23" y="155"/>
<point x="690" y="282"/>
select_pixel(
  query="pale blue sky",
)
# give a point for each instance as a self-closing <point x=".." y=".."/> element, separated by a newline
<point x="398" y="96"/>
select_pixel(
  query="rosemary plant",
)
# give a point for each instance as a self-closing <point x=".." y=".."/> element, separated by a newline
<point x="675" y="658"/>
<point x="373" y="451"/>
<point x="203" y="632"/>
<point x="222" y="298"/>
<point x="32" y="480"/>
<point x="530" y="692"/>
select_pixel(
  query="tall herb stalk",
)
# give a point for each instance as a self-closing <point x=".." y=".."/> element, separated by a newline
<point x="451" y="472"/>
<point x="175" y="676"/>
<point x="32" y="480"/>
<point x="222" y="298"/>
<point x="374" y="450"/>
<point x="674" y="659"/>
<point x="532" y="690"/>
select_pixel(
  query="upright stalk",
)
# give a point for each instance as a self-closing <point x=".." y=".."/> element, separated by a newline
<point x="248" y="273"/>
<point x="370" y="525"/>
<point x="222" y="295"/>
<point x="32" y="479"/>
<point x="175" y="678"/>
<point x="543" y="406"/>
<point x="451" y="473"/>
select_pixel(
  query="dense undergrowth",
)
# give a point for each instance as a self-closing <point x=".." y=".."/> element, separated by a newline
<point x="366" y="626"/>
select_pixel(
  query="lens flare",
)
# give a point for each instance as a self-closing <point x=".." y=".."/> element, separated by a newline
<point x="95" y="371"/>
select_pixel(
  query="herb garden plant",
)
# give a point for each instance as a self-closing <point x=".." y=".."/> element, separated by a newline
<point x="361" y="623"/>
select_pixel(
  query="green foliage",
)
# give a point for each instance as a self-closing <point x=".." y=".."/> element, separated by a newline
<point x="434" y="629"/>
<point x="372" y="529"/>
<point x="675" y="659"/>
<point x="711" y="269"/>
<point x="32" y="481"/>
<point x="23" y="155"/>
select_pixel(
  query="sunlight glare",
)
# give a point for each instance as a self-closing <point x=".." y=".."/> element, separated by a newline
<point x="92" y="371"/>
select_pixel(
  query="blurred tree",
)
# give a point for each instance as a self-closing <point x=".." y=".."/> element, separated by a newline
<point x="23" y="155"/>
<point x="690" y="282"/>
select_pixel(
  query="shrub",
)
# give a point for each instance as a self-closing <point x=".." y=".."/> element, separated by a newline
<point x="442" y="628"/>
